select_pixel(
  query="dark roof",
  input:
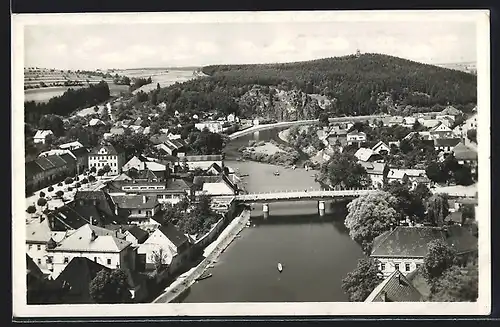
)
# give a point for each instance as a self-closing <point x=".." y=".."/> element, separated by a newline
<point x="461" y="239"/>
<point x="446" y="142"/>
<point x="80" y="152"/>
<point x="57" y="160"/>
<point x="158" y="139"/>
<point x="74" y="216"/>
<point x="405" y="241"/>
<point x="103" y="200"/>
<point x="396" y="288"/>
<point x="31" y="169"/>
<point x="68" y="158"/>
<point x="216" y="167"/>
<point x="177" y="184"/>
<point x="140" y="234"/>
<point x="463" y="152"/>
<point x="455" y="217"/>
<point x="173" y="234"/>
<point x="77" y="275"/>
<point x="44" y="163"/>
<point x="135" y="201"/>
<point x="32" y="268"/>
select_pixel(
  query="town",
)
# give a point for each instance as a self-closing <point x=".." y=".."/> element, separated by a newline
<point x="131" y="199"/>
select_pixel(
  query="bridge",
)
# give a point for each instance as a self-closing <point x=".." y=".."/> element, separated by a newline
<point x="300" y="195"/>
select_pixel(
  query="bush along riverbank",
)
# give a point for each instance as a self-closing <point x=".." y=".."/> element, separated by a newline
<point x="270" y="152"/>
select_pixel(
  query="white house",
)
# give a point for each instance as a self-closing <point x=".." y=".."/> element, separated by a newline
<point x="40" y="135"/>
<point x="107" y="155"/>
<point x="440" y="131"/>
<point x="428" y="122"/>
<point x="71" y="145"/>
<point x="96" y="122"/>
<point x="95" y="243"/>
<point x="203" y="161"/>
<point x="409" y="121"/>
<point x="365" y="154"/>
<point x="445" y="145"/>
<point x="140" y="209"/>
<point x="375" y="171"/>
<point x="255" y="122"/>
<point x="411" y="244"/>
<point x="141" y="163"/>
<point x="381" y="148"/>
<point x="212" y="126"/>
<point x="135" y="235"/>
<point x="396" y="120"/>
<point x="166" y="243"/>
<point x="356" y="137"/>
<point x="471" y="122"/>
<point x="231" y="118"/>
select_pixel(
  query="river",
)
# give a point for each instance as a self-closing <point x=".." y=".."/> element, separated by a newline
<point x="316" y="252"/>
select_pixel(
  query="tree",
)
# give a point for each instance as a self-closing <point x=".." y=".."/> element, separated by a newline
<point x="41" y="202"/>
<point x="463" y="175"/>
<point x="456" y="285"/>
<point x="100" y="172"/>
<point x="344" y="171"/>
<point x="91" y="178"/>
<point x="435" y="173"/>
<point x="472" y="135"/>
<point x="106" y="169"/>
<point x="437" y="209"/>
<point x="369" y="216"/>
<point x="159" y="258"/>
<point x="93" y="169"/>
<point x="408" y="203"/>
<point x="31" y="209"/>
<point x="53" y="123"/>
<point x="440" y="256"/>
<point x="42" y="194"/>
<point x="50" y="189"/>
<point x="323" y="119"/>
<point x="59" y="193"/>
<point x="422" y="192"/>
<point x="110" y="287"/>
<point x="360" y="282"/>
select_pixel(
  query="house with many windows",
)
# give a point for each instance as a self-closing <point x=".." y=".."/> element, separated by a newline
<point x="107" y="155"/>
<point x="356" y="137"/>
<point x="41" y="135"/>
<point x="45" y="171"/>
<point x="139" y="209"/>
<point x="395" y="288"/>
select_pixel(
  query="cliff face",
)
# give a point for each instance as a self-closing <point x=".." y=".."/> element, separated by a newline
<point x="280" y="105"/>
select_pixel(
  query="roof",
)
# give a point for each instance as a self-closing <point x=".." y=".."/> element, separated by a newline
<point x="158" y="139"/>
<point x="42" y="134"/>
<point x="38" y="232"/>
<point x="435" y="127"/>
<point x="446" y="142"/>
<point x="104" y="202"/>
<point x="378" y="145"/>
<point x="68" y="158"/>
<point x="213" y="157"/>
<point x="217" y="168"/>
<point x="71" y="145"/>
<point x="396" y="288"/>
<point x="173" y="234"/>
<point x="95" y="121"/>
<point x="461" y="239"/>
<point x="177" y="184"/>
<point x="455" y="217"/>
<point x="356" y="132"/>
<point x="396" y="173"/>
<point x="200" y="181"/>
<point x="78" y="274"/>
<point x="365" y="154"/>
<point x="373" y="168"/>
<point x="463" y="152"/>
<point x="41" y="164"/>
<point x="405" y="241"/>
<point x="135" y="201"/>
<point x="32" y="268"/>
<point x="396" y="119"/>
<point x="140" y="234"/>
<point x="117" y="131"/>
<point x="76" y="214"/>
<point x="80" y="152"/>
<point x="413" y="172"/>
<point x="81" y="241"/>
<point x="109" y="148"/>
<point x="450" y="110"/>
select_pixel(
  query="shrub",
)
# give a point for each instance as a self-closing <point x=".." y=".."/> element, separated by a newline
<point x="77" y="178"/>
<point x="50" y="189"/>
<point x="100" y="172"/>
<point x="68" y="180"/>
<point x="41" y="202"/>
<point x="42" y="195"/>
<point x="70" y="189"/>
<point x="60" y="184"/>
<point x="91" y="178"/>
<point x="31" y="209"/>
<point x="59" y="193"/>
<point x="85" y="181"/>
<point x="77" y="185"/>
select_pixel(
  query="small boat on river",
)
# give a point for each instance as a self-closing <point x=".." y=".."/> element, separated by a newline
<point x="203" y="276"/>
<point x="280" y="267"/>
<point x="276" y="173"/>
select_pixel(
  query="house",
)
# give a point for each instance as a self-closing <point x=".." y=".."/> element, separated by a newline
<point x="452" y="111"/>
<point x="395" y="288"/>
<point x="367" y="155"/>
<point x="409" y="122"/>
<point x="255" y="122"/>
<point x="172" y="147"/>
<point x="445" y="145"/>
<point x="202" y="161"/>
<point x="45" y="171"/>
<point x="95" y="243"/>
<point x="396" y="120"/>
<point x="440" y="131"/>
<point x="159" y="139"/>
<point x="103" y="203"/>
<point x="172" y="136"/>
<point x="381" y="148"/>
<point x="376" y="171"/>
<point x="397" y="175"/>
<point x="166" y="242"/>
<point x="107" y="155"/>
<point x="214" y="185"/>
<point x="404" y="248"/>
<point x="139" y="209"/>
<point x="356" y="137"/>
<point x="40" y="135"/>
<point x="428" y="122"/>
<point x="94" y="122"/>
<point x="140" y="163"/>
<point x="425" y="135"/>
<point x="231" y="118"/>
<point x="446" y="120"/>
<point x="40" y="289"/>
<point x="465" y="155"/>
<point x="336" y="135"/>
<point x="71" y="146"/>
<point x="471" y="122"/>
<point x="413" y="176"/>
<point x="212" y="126"/>
<point x="135" y="235"/>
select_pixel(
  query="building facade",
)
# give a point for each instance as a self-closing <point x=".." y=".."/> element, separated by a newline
<point x="107" y="155"/>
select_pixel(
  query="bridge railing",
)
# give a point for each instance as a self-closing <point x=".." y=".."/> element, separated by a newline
<point x="310" y="192"/>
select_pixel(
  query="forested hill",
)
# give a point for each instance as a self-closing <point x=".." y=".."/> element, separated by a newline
<point x="355" y="85"/>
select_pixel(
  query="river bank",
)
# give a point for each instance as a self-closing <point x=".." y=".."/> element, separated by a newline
<point x="211" y="253"/>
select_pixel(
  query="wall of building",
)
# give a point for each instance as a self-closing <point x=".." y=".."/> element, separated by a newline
<point x="38" y="252"/>
<point x="58" y="259"/>
<point x="192" y="165"/>
<point x="388" y="265"/>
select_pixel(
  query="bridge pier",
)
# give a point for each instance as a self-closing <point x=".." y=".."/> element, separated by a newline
<point x="265" y="210"/>
<point x="321" y="208"/>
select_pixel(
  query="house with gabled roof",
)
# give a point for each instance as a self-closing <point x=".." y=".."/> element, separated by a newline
<point x="139" y="209"/>
<point x="445" y="145"/>
<point x="367" y="155"/>
<point x="140" y="163"/>
<point x="47" y="170"/>
<point x="200" y="161"/>
<point x="107" y="155"/>
<point x="450" y="110"/>
<point x="395" y="288"/>
<point x="41" y="135"/>
<point x="465" y="155"/>
<point x="381" y="148"/>
<point x="440" y="131"/>
<point x="71" y="145"/>
<point x="168" y="243"/>
<point x="95" y="243"/>
<point x="135" y="235"/>
<point x="356" y="137"/>
<point x="404" y="248"/>
<point x="376" y="172"/>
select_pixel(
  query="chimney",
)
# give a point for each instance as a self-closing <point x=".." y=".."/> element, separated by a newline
<point x="91" y="219"/>
<point x="399" y="279"/>
<point x="384" y="296"/>
<point x="144" y="199"/>
<point x="116" y="210"/>
<point x="93" y="236"/>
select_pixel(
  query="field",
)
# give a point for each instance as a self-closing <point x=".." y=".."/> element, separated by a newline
<point x="163" y="76"/>
<point x="44" y="94"/>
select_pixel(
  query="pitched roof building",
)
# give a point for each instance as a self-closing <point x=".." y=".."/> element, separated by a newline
<point x="395" y="288"/>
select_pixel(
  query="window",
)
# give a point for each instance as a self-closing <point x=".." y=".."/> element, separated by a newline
<point x="95" y="259"/>
<point x="48" y="260"/>
<point x="30" y="246"/>
<point x="109" y="261"/>
<point x="39" y="261"/>
<point x="407" y="267"/>
<point x="38" y="247"/>
<point x="418" y="265"/>
<point x="139" y="211"/>
<point x="148" y="213"/>
<point x="396" y="266"/>
<point x="382" y="266"/>
<point x="66" y="259"/>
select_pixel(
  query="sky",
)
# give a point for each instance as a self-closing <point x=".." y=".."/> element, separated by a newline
<point x="135" y="45"/>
